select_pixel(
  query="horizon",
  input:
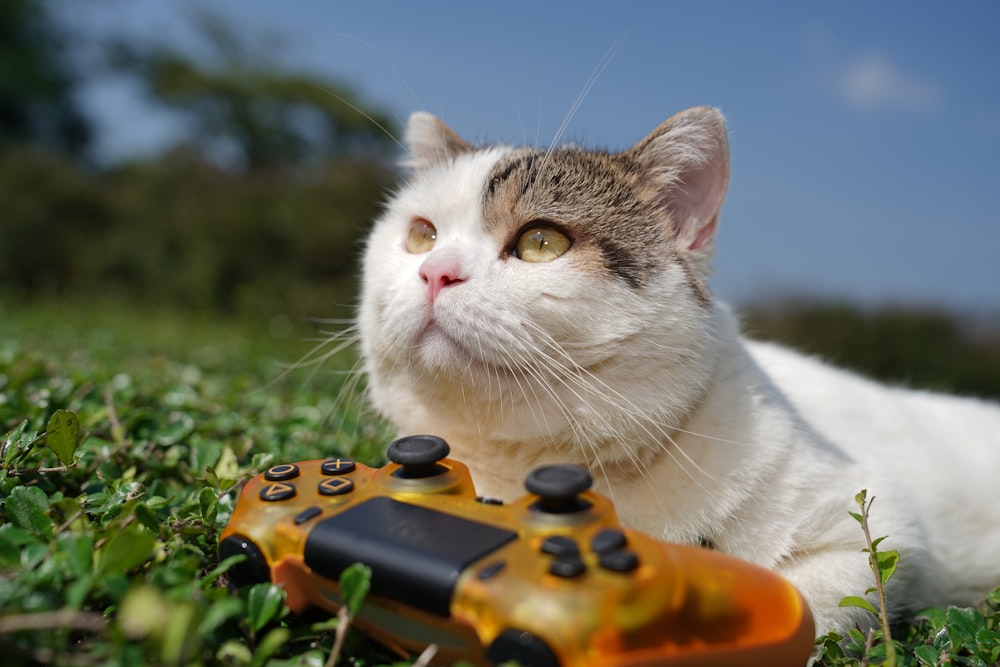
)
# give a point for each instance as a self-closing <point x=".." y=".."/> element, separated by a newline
<point x="865" y="141"/>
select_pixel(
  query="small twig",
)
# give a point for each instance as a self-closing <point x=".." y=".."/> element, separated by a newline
<point x="343" y="622"/>
<point x="68" y="522"/>
<point x="869" y="642"/>
<point x="49" y="620"/>
<point x="883" y="615"/>
<point x="117" y="432"/>
<point x="425" y="658"/>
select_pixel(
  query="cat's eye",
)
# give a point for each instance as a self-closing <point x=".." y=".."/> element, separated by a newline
<point x="421" y="236"/>
<point x="541" y="243"/>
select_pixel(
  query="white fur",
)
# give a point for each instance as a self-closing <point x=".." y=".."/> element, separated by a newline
<point x="692" y="430"/>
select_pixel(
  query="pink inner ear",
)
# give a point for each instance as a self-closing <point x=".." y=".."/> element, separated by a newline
<point x="705" y="234"/>
<point x="687" y="159"/>
<point x="695" y="207"/>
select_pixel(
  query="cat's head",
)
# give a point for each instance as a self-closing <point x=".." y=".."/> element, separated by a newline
<point x="544" y="296"/>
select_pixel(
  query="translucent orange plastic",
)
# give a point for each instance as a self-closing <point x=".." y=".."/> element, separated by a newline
<point x="683" y="605"/>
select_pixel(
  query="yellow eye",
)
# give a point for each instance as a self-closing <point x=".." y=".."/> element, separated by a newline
<point x="541" y="243"/>
<point x="421" y="236"/>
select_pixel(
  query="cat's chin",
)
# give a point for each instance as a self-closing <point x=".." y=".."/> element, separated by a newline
<point x="439" y="351"/>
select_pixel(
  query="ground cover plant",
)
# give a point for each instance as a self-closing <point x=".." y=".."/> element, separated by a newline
<point x="124" y="438"/>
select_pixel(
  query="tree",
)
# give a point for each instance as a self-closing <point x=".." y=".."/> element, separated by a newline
<point x="252" y="114"/>
<point x="36" y="83"/>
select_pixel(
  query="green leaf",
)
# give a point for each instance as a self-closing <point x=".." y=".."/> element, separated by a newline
<point x="144" y="611"/>
<point x="179" y="638"/>
<point x="264" y="603"/>
<point x="125" y="550"/>
<point x="270" y="644"/>
<point x="888" y="561"/>
<point x="147" y="517"/>
<point x="227" y="467"/>
<point x="77" y="553"/>
<point x="12" y="442"/>
<point x="221" y="611"/>
<point x="855" y="601"/>
<point x="926" y="655"/>
<point x="62" y="434"/>
<point x="233" y="652"/>
<point x="209" y="504"/>
<point x="355" y="581"/>
<point x="12" y="540"/>
<point x="27" y="507"/>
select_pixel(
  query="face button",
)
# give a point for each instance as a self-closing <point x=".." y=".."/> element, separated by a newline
<point x="306" y="514"/>
<point x="337" y="466"/>
<point x="335" y="486"/>
<point x="277" y="491"/>
<point x="281" y="473"/>
<point x="567" y="567"/>
<point x="607" y="540"/>
<point x="560" y="546"/>
<point x="619" y="561"/>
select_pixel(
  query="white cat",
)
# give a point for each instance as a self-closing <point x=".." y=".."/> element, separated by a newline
<point x="551" y="306"/>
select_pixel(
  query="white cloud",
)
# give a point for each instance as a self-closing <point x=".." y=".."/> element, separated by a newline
<point x="873" y="82"/>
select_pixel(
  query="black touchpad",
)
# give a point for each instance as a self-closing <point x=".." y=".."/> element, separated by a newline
<point x="416" y="554"/>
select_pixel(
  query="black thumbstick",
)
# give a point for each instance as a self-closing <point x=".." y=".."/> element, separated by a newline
<point x="557" y="488"/>
<point x="418" y="454"/>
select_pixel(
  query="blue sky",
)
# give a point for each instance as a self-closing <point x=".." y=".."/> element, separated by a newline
<point x="865" y="136"/>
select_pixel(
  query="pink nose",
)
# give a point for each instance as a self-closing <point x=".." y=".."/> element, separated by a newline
<point x="438" y="273"/>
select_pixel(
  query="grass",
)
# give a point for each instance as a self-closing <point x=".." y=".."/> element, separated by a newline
<point x="111" y="559"/>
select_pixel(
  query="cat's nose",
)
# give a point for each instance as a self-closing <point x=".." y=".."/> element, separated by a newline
<point x="438" y="273"/>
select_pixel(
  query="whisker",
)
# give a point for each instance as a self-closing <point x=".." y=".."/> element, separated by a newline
<point x="602" y="65"/>
<point x="587" y="381"/>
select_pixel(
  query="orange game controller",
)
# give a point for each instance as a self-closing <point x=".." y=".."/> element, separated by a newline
<point x="551" y="579"/>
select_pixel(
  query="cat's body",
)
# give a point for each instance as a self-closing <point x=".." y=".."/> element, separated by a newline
<point x="550" y="306"/>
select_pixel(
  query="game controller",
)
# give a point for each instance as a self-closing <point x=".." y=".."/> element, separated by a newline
<point x="551" y="579"/>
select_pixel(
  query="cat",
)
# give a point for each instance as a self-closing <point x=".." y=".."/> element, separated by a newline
<point x="538" y="306"/>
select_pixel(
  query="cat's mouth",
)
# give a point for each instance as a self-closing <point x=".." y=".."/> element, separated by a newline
<point x="440" y="348"/>
<point x="436" y="344"/>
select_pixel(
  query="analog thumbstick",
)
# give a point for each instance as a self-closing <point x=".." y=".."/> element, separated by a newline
<point x="558" y="488"/>
<point x="418" y="455"/>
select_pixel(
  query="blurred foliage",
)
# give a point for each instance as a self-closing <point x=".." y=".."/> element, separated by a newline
<point x="246" y="111"/>
<point x="36" y="82"/>
<point x="919" y="347"/>
<point x="259" y="211"/>
<point x="184" y="232"/>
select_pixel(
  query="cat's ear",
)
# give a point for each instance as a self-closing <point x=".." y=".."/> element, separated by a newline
<point x="684" y="167"/>
<point x="430" y="141"/>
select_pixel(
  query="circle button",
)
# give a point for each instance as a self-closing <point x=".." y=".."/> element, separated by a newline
<point x="282" y="472"/>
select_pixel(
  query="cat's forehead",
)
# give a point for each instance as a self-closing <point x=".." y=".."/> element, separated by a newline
<point x="592" y="194"/>
<point x="564" y="178"/>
